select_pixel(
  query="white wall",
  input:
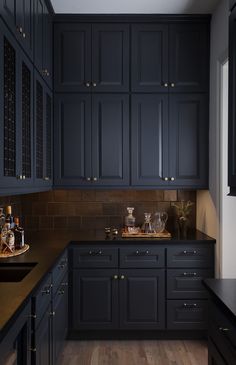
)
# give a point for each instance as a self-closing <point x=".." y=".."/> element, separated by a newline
<point x="214" y="215"/>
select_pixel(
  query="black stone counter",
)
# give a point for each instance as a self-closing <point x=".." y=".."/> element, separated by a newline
<point x="45" y="249"/>
<point x="224" y="292"/>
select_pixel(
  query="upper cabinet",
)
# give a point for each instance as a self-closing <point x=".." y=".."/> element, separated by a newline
<point x="172" y="58"/>
<point x="170" y="140"/>
<point x="18" y="15"/>
<point x="43" y="40"/>
<point x="16" y="114"/>
<point x="91" y="57"/>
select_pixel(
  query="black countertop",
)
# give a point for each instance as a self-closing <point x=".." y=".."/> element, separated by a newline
<point x="45" y="249"/>
<point x="224" y="292"/>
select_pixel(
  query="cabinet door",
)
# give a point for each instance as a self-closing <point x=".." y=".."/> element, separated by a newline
<point x="72" y="57"/>
<point x="72" y="136"/>
<point x="188" y="140"/>
<point x="142" y="299"/>
<point x="149" y="58"/>
<point x="9" y="96"/>
<point x="60" y="318"/>
<point x="95" y="299"/>
<point x="232" y="105"/>
<point x="110" y="140"/>
<point x="149" y="133"/>
<point x="214" y="356"/>
<point x="43" y="134"/>
<point x="189" y="58"/>
<point x="110" y="57"/>
<point x="42" y="345"/>
<point x="26" y="120"/>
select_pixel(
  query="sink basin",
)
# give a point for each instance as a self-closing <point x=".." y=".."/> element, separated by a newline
<point x="15" y="272"/>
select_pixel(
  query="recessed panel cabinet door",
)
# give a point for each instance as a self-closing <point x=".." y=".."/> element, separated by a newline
<point x="95" y="299"/>
<point x="149" y="58"/>
<point x="149" y="133"/>
<point x="110" y="140"/>
<point x="188" y="140"/>
<point x="72" y="57"/>
<point x="142" y="299"/>
<point x="110" y="57"/>
<point x="72" y="139"/>
<point x="189" y="58"/>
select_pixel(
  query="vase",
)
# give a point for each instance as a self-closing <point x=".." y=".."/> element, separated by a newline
<point x="183" y="227"/>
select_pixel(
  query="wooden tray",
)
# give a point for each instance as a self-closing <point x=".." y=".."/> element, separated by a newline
<point x="164" y="234"/>
<point x="4" y="255"/>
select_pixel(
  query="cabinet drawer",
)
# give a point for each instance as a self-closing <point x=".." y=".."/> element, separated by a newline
<point x="187" y="314"/>
<point x="223" y="333"/>
<point x="59" y="271"/>
<point x="95" y="256"/>
<point x="142" y="256"/>
<point x="187" y="283"/>
<point x="41" y="300"/>
<point x="190" y="256"/>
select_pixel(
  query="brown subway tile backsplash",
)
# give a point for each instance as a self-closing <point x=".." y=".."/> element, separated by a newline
<point x="94" y="209"/>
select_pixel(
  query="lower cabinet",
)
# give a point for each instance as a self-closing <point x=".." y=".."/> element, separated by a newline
<point x="14" y="348"/>
<point x="49" y="316"/>
<point x="139" y="287"/>
<point x="214" y="356"/>
<point x="125" y="299"/>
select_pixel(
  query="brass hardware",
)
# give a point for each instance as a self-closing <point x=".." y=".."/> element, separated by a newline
<point x="32" y="349"/>
<point x="52" y="314"/>
<point x="122" y="277"/>
<point x="32" y="316"/>
<point x="46" y="290"/>
<point x="172" y="84"/>
<point x="189" y="274"/>
<point x="64" y="284"/>
<point x="224" y="329"/>
<point x="24" y="35"/>
<point x="20" y="30"/>
<point x="137" y="252"/>
<point x="88" y="178"/>
<point x="95" y="178"/>
<point x="185" y="252"/>
<point x="172" y="179"/>
<point x="115" y="277"/>
<point x="87" y="84"/>
<point x="94" y="84"/>
<point x="166" y="178"/>
<point x="188" y="305"/>
<point x="165" y="84"/>
<point x="46" y="178"/>
<point x="23" y="177"/>
<point x="20" y="177"/>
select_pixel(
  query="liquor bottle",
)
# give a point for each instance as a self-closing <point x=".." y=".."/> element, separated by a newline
<point x="19" y="234"/>
<point x="2" y="219"/>
<point x="9" y="217"/>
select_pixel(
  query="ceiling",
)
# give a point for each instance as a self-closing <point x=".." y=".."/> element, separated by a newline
<point x="135" y="6"/>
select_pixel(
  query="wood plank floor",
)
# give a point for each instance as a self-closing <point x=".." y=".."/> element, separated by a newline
<point x="134" y="353"/>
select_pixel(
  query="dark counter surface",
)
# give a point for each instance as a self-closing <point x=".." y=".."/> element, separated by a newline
<point x="45" y="249"/>
<point x="224" y="292"/>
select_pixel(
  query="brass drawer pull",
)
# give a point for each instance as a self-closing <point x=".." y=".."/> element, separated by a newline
<point x="185" y="252"/>
<point x="189" y="306"/>
<point x="191" y="274"/>
<point x="224" y="329"/>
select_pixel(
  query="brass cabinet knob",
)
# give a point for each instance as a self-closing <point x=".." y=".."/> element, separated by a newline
<point x="115" y="277"/>
<point x="165" y="84"/>
<point x="52" y="314"/>
<point x="166" y="178"/>
<point x="46" y="178"/>
<point x="88" y="178"/>
<point x="87" y="84"/>
<point x="20" y="177"/>
<point x="20" y="30"/>
<point x="23" y="35"/>
<point x="95" y="179"/>
<point x="172" y="179"/>
<point x="122" y="277"/>
<point x="94" y="84"/>
<point x="224" y="329"/>
<point x="172" y="84"/>
<point x="23" y="177"/>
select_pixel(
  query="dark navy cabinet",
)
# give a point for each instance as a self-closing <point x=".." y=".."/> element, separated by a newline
<point x="16" y="114"/>
<point x="43" y="132"/>
<point x="43" y="40"/>
<point x="166" y="57"/>
<point x="91" y="57"/>
<point x="170" y="140"/>
<point x="98" y="130"/>
<point x="18" y="15"/>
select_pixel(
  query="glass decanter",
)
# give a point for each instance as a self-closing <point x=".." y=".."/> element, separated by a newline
<point x="147" y="224"/>
<point x="129" y="220"/>
<point x="159" y="222"/>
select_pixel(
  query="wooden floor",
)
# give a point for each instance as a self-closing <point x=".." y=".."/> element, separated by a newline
<point x="134" y="353"/>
